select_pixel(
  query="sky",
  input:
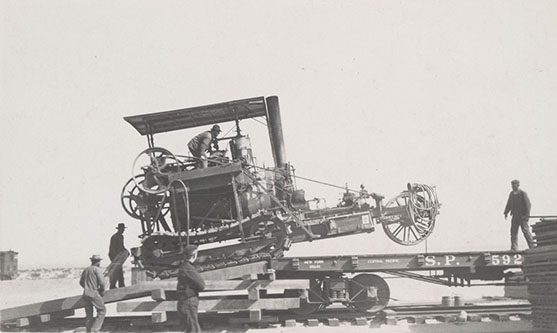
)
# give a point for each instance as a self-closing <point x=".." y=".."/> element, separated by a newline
<point x="455" y="94"/>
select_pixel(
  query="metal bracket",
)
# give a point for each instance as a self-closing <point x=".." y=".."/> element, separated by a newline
<point x="295" y="263"/>
<point x="354" y="261"/>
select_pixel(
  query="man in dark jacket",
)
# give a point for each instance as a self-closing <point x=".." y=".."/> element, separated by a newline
<point x="519" y="206"/>
<point x="92" y="281"/>
<point x="201" y="144"/>
<point x="190" y="283"/>
<point x="116" y="247"/>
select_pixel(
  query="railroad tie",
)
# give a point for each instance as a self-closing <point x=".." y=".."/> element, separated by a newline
<point x="313" y="322"/>
<point x="333" y="322"/>
<point x="290" y="323"/>
<point x="360" y="321"/>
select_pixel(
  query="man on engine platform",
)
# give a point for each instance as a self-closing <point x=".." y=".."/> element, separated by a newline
<point x="201" y="144"/>
<point x="190" y="283"/>
<point x="519" y="206"/>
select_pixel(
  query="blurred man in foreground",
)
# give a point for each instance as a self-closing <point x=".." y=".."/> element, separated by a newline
<point x="190" y="283"/>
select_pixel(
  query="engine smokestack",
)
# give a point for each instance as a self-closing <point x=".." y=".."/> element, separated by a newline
<point x="275" y="131"/>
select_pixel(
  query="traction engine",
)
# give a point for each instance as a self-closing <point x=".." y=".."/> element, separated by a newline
<point x="258" y="212"/>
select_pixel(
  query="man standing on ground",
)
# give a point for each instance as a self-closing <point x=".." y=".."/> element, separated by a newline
<point x="116" y="247"/>
<point x="519" y="206"/>
<point x="201" y="144"/>
<point x="190" y="283"/>
<point x="92" y="281"/>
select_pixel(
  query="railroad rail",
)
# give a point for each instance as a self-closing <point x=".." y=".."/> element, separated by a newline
<point x="413" y="314"/>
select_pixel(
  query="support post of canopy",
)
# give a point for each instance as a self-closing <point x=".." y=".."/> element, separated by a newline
<point x="239" y="214"/>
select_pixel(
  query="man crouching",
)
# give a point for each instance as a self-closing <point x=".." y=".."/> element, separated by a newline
<point x="190" y="283"/>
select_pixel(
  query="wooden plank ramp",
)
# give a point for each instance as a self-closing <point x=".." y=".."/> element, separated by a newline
<point x="251" y="296"/>
<point x="141" y="290"/>
<point x="207" y="305"/>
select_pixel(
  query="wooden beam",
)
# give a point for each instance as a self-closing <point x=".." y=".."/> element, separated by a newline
<point x="41" y="308"/>
<point x="75" y="302"/>
<point x="63" y="314"/>
<point x="158" y="317"/>
<point x="158" y="295"/>
<point x="271" y="274"/>
<point x="255" y="315"/>
<point x="213" y="305"/>
<point x="253" y="294"/>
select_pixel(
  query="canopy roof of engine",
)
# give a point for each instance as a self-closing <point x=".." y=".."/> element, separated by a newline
<point x="166" y="121"/>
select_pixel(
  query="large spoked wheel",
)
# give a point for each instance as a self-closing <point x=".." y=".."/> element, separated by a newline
<point x="420" y="208"/>
<point x="310" y="304"/>
<point x="369" y="292"/>
<point x="130" y="198"/>
<point x="136" y="202"/>
<point x="155" y="166"/>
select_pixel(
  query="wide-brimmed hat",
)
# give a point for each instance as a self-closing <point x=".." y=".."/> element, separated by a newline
<point x="121" y="226"/>
<point x="189" y="251"/>
<point x="96" y="257"/>
<point x="216" y="128"/>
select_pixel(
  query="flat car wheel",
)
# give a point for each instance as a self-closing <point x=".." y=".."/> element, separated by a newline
<point x="369" y="299"/>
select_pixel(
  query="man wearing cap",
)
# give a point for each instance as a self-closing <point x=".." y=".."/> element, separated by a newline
<point x="519" y="206"/>
<point x="190" y="283"/>
<point x="201" y="144"/>
<point x="116" y="247"/>
<point x="92" y="281"/>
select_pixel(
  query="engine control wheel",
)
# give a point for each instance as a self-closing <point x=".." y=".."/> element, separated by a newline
<point x="154" y="165"/>
<point x="129" y="199"/>
<point x="369" y="292"/>
<point x="137" y="202"/>
<point x="421" y="208"/>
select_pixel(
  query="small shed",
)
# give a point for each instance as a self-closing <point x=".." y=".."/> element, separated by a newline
<point x="8" y="265"/>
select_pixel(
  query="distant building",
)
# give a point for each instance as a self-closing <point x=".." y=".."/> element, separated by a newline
<point x="8" y="265"/>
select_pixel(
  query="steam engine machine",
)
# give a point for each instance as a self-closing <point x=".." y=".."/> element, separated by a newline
<point x="239" y="212"/>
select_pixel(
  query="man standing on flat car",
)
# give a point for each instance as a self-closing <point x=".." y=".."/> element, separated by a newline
<point x="519" y="206"/>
